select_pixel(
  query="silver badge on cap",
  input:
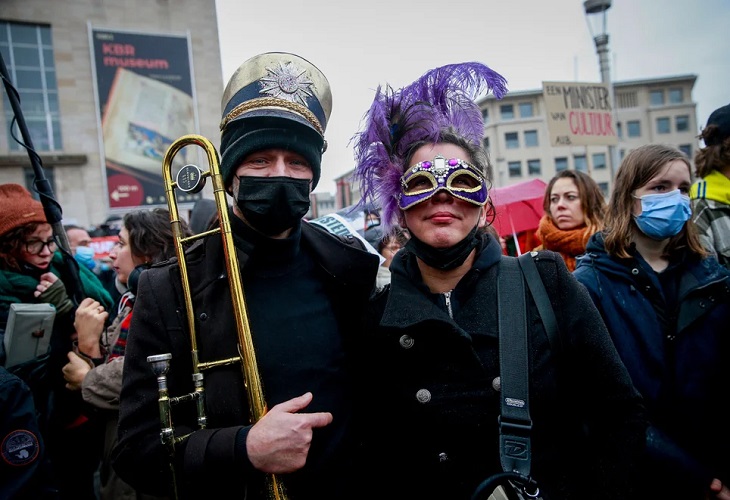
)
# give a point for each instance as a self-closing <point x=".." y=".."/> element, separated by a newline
<point x="287" y="82"/>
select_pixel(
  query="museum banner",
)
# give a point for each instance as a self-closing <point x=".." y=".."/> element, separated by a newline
<point x="144" y="95"/>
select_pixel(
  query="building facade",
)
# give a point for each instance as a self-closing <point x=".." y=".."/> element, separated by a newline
<point x="49" y="51"/>
<point x="659" y="110"/>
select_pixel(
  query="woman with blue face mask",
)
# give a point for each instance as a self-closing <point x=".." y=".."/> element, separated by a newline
<point x="666" y="303"/>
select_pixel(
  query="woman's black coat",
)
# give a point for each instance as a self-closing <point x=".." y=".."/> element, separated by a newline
<point x="434" y="387"/>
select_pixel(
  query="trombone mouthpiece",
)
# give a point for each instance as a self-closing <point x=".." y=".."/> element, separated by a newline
<point x="160" y="363"/>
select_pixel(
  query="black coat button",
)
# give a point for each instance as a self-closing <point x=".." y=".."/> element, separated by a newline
<point x="406" y="341"/>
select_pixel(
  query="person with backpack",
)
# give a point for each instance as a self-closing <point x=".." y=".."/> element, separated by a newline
<point x="432" y="358"/>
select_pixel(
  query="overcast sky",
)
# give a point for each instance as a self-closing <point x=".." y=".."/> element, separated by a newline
<point x="360" y="45"/>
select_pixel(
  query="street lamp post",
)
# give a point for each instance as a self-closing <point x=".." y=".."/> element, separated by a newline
<point x="595" y="11"/>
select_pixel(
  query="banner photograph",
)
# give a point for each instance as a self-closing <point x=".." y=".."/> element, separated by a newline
<point x="144" y="87"/>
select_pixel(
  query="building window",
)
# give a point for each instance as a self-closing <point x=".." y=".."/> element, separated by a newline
<point x="627" y="100"/>
<point x="485" y="115"/>
<point x="580" y="163"/>
<point x="526" y="110"/>
<point x="656" y="97"/>
<point x="634" y="128"/>
<point x="681" y="122"/>
<point x="507" y="111"/>
<point x="599" y="161"/>
<point x="603" y="186"/>
<point x="533" y="167"/>
<point x="662" y="125"/>
<point x="619" y="130"/>
<point x="485" y="144"/>
<point x="686" y="149"/>
<point x="511" y="140"/>
<point x="531" y="138"/>
<point x="561" y="164"/>
<point x="515" y="168"/>
<point x="27" y="50"/>
<point x="676" y="96"/>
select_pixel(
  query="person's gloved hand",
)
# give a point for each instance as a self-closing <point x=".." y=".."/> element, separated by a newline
<point x="51" y="290"/>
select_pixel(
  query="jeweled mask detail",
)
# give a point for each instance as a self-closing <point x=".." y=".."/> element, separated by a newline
<point x="458" y="177"/>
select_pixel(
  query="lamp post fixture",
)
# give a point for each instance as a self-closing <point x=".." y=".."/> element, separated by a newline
<point x="595" y="11"/>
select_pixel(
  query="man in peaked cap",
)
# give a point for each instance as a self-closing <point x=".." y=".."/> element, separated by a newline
<point x="305" y="292"/>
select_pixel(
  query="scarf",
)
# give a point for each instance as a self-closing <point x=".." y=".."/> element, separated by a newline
<point x="714" y="186"/>
<point x="19" y="287"/>
<point x="569" y="244"/>
<point x="126" y="303"/>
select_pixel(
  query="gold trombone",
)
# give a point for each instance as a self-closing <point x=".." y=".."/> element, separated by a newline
<point x="191" y="179"/>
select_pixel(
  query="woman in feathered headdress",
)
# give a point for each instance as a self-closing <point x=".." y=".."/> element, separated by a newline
<point x="434" y="341"/>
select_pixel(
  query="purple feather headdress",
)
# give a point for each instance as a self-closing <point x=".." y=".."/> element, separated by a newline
<point x="441" y="99"/>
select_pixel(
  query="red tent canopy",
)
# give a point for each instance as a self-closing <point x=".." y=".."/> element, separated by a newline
<point x="519" y="206"/>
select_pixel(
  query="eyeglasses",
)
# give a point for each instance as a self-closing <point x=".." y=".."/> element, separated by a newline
<point x="35" y="247"/>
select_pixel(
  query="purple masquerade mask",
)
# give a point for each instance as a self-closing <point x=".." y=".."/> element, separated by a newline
<point x="459" y="178"/>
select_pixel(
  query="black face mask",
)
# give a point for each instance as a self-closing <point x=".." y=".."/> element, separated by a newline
<point x="273" y="204"/>
<point x="444" y="259"/>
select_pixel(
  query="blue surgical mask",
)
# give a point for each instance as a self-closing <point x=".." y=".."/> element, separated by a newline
<point x="663" y="215"/>
<point x="85" y="256"/>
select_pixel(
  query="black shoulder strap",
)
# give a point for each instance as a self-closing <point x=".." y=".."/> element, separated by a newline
<point x="515" y="424"/>
<point x="539" y="294"/>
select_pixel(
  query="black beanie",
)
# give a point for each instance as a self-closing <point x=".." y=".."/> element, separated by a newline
<point x="245" y="136"/>
<point x="720" y="118"/>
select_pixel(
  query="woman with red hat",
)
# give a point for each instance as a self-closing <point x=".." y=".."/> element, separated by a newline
<point x="30" y="272"/>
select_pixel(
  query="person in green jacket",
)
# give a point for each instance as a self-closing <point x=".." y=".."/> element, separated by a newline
<point x="31" y="272"/>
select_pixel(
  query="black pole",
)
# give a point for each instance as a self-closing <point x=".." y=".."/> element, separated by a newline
<point x="51" y="207"/>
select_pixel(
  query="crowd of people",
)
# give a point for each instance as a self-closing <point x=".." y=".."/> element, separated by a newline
<point x="384" y="376"/>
